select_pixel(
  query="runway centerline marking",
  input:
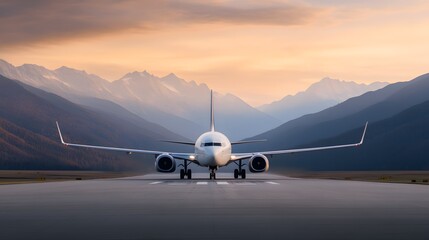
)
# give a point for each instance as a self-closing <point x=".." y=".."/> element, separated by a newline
<point x="152" y="183"/>
<point x="178" y="183"/>
<point x="245" y="183"/>
<point x="273" y="183"/>
<point x="202" y="183"/>
<point x="222" y="183"/>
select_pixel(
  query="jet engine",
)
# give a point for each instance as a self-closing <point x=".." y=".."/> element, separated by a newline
<point x="165" y="163"/>
<point x="258" y="163"/>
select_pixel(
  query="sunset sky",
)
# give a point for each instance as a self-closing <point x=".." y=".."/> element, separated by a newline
<point x="257" y="50"/>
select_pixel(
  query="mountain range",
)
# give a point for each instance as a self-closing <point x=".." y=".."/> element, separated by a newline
<point x="114" y="114"/>
<point x="182" y="106"/>
<point x="319" y="96"/>
<point x="29" y="139"/>
<point x="396" y="143"/>
<point x="397" y="135"/>
<point x="174" y="103"/>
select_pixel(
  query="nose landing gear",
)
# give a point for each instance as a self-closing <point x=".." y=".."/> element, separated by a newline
<point x="213" y="172"/>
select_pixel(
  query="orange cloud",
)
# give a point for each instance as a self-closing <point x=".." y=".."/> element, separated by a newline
<point x="258" y="50"/>
<point x="26" y="22"/>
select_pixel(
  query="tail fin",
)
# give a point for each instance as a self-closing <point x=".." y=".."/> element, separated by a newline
<point x="212" y="124"/>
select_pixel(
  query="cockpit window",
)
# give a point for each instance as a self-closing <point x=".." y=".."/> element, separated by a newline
<point x="209" y="144"/>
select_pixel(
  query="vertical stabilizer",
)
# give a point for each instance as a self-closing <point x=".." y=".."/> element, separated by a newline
<point x="212" y="124"/>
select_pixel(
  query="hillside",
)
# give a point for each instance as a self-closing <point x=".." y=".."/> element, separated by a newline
<point x="29" y="135"/>
<point x="397" y="143"/>
<point x="353" y="113"/>
<point x="344" y="122"/>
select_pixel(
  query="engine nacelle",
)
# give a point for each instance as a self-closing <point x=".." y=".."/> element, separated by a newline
<point x="165" y="163"/>
<point x="258" y="163"/>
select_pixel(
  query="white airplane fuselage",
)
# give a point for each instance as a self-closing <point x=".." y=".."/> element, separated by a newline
<point x="213" y="149"/>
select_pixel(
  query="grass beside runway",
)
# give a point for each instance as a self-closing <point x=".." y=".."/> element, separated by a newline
<point x="33" y="176"/>
<point x="412" y="177"/>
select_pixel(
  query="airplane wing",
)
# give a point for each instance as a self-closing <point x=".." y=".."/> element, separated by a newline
<point x="180" y="156"/>
<point x="241" y="156"/>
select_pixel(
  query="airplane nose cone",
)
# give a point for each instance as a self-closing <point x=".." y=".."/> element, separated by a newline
<point x="214" y="154"/>
<point x="217" y="152"/>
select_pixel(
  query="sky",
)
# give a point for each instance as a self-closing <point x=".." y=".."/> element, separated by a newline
<point x="260" y="51"/>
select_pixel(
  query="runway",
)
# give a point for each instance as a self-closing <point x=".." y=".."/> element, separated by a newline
<point x="264" y="206"/>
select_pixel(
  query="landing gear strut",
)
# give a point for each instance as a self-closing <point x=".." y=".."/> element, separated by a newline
<point x="239" y="172"/>
<point x="185" y="171"/>
<point x="213" y="172"/>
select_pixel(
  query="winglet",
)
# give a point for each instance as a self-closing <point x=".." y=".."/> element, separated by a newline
<point x="363" y="135"/>
<point x="59" y="132"/>
<point x="212" y="124"/>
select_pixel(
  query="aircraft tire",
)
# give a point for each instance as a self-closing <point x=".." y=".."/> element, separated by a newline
<point x="182" y="174"/>
<point x="235" y="173"/>
<point x="189" y="174"/>
<point x="243" y="174"/>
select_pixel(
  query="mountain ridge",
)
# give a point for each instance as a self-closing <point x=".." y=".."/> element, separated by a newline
<point x="352" y="113"/>
<point x="29" y="135"/>
<point x="320" y="95"/>
<point x="179" y="105"/>
<point x="396" y="143"/>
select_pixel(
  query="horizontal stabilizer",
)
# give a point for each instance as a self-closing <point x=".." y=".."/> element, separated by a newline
<point x="179" y="142"/>
<point x="249" y="141"/>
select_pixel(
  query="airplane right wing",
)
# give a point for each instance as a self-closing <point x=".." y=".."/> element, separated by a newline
<point x="181" y="156"/>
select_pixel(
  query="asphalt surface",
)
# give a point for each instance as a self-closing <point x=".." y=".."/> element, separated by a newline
<point x="264" y="206"/>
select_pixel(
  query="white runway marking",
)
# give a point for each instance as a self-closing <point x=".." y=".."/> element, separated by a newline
<point x="222" y="183"/>
<point x="274" y="183"/>
<point x="241" y="183"/>
<point x="178" y="183"/>
<point x="152" y="183"/>
<point x="245" y="183"/>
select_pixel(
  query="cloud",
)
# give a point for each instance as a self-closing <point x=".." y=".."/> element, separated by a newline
<point x="26" y="22"/>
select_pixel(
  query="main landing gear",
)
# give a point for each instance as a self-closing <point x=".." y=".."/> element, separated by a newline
<point x="185" y="171"/>
<point x="239" y="172"/>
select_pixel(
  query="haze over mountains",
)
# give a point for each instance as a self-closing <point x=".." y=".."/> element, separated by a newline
<point x="321" y="95"/>
<point x="174" y="103"/>
<point x="29" y="139"/>
<point x="182" y="106"/>
<point x="397" y="134"/>
<point x="136" y="111"/>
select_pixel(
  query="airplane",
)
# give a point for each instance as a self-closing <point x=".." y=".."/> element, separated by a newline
<point x="213" y="150"/>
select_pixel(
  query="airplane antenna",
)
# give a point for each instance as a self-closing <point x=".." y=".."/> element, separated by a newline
<point x="212" y="124"/>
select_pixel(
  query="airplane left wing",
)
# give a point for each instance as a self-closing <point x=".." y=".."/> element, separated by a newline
<point x="241" y="156"/>
<point x="180" y="156"/>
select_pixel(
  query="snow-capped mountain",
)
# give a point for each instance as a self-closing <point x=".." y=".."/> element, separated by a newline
<point x="179" y="105"/>
<point x="63" y="81"/>
<point x="153" y="97"/>
<point x="319" y="96"/>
